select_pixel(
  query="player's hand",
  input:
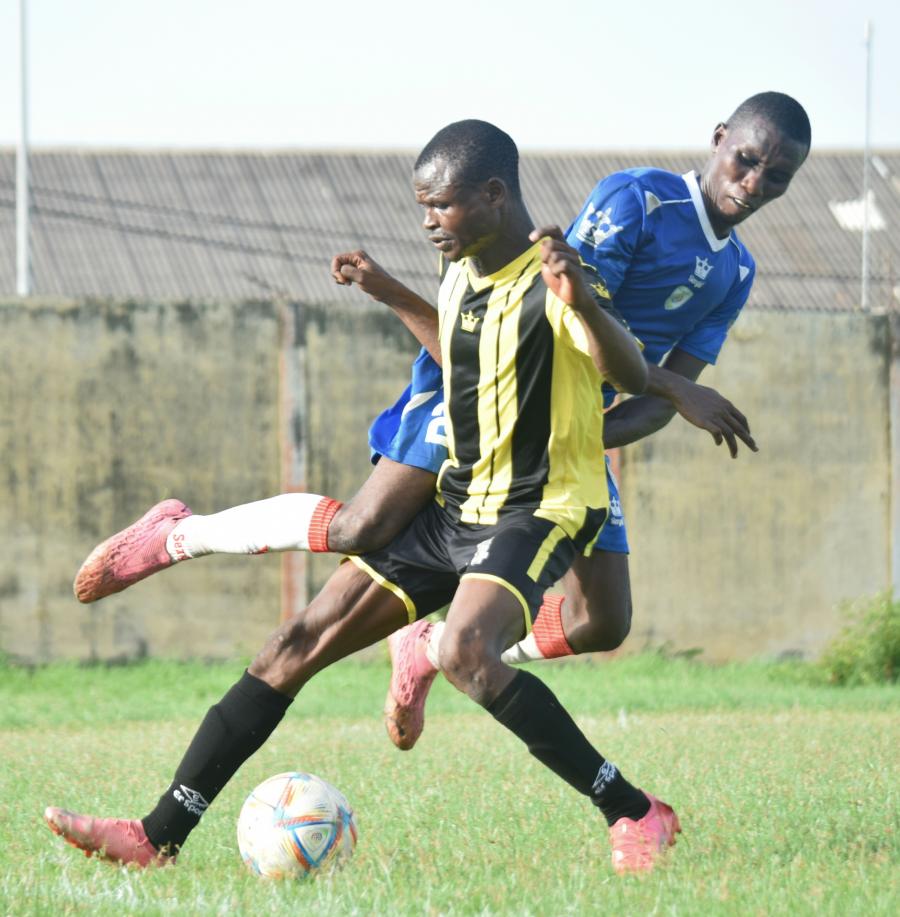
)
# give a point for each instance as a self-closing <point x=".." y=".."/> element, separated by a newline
<point x="705" y="408"/>
<point x="357" y="267"/>
<point x="560" y="265"/>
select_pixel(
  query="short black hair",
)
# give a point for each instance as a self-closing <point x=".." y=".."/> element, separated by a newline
<point x="782" y="111"/>
<point x="476" y="151"/>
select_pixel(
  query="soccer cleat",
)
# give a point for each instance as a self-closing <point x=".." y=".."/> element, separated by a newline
<point x="130" y="555"/>
<point x="413" y="673"/>
<point x="637" y="845"/>
<point x="120" y="840"/>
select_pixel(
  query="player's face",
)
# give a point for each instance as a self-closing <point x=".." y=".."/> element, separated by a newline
<point x="460" y="219"/>
<point x="751" y="164"/>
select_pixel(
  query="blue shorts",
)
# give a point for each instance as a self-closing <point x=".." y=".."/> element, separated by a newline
<point x="413" y="432"/>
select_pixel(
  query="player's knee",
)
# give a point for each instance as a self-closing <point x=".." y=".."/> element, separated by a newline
<point x="356" y="530"/>
<point x="283" y="661"/>
<point x="465" y="665"/>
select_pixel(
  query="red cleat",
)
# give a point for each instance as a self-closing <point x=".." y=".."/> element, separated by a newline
<point x="130" y="555"/>
<point x="119" y="840"/>
<point x="404" y="708"/>
<point x="637" y="845"/>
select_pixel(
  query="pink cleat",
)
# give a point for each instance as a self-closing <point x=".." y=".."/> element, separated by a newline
<point x="130" y="555"/>
<point x="637" y="845"/>
<point x="404" y="708"/>
<point x="120" y="840"/>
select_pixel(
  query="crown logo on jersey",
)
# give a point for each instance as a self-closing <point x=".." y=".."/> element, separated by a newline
<point x="703" y="268"/>
<point x="468" y="321"/>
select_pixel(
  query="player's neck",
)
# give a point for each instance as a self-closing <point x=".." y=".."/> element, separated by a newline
<point x="720" y="228"/>
<point x="509" y="243"/>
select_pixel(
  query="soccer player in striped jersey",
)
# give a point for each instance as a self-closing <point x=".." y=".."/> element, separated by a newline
<point x="526" y="337"/>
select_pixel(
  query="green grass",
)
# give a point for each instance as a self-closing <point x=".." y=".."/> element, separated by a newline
<point x="787" y="789"/>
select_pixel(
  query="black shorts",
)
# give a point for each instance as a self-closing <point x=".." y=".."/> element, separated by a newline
<point x="424" y="564"/>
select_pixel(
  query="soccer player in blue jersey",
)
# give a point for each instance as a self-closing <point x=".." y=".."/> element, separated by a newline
<point x="666" y="248"/>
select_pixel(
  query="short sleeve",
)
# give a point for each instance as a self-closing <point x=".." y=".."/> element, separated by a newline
<point x="705" y="340"/>
<point x="607" y="231"/>
<point x="569" y="326"/>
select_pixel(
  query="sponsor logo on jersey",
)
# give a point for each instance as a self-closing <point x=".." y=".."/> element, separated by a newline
<point x="482" y="551"/>
<point x="678" y="297"/>
<point x="191" y="800"/>
<point x="468" y="321"/>
<point x="597" y="226"/>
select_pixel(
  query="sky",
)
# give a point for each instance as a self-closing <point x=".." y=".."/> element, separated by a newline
<point x="580" y="75"/>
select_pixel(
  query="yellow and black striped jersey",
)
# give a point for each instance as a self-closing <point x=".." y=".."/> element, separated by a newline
<point x="521" y="398"/>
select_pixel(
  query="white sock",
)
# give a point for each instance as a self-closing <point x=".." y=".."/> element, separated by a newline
<point x="524" y="651"/>
<point x="431" y="651"/>
<point x="280" y="523"/>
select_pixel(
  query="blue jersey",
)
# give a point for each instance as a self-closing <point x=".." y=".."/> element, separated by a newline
<point x="647" y="233"/>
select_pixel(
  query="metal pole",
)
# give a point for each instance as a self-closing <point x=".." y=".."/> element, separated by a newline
<point x="23" y="254"/>
<point x="864" y="294"/>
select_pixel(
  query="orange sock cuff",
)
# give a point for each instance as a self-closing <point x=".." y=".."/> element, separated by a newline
<point x="318" y="524"/>
<point x="548" y="629"/>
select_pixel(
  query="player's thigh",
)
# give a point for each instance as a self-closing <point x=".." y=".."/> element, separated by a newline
<point x="598" y="587"/>
<point x="351" y="612"/>
<point x="385" y="504"/>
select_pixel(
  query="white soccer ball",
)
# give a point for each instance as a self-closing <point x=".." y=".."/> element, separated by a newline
<point x="295" y="824"/>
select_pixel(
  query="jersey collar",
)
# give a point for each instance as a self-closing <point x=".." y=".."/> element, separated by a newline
<point x="693" y="186"/>
<point x="515" y="267"/>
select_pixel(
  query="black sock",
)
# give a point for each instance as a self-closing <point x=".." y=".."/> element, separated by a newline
<point x="232" y="730"/>
<point x="528" y="708"/>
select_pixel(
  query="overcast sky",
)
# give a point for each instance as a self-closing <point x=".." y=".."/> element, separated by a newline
<point x="583" y="74"/>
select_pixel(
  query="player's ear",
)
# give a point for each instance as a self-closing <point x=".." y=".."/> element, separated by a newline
<point x="495" y="191"/>
<point x="718" y="135"/>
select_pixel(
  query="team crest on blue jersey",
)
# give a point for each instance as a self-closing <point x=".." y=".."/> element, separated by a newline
<point x="703" y="267"/>
<point x="597" y="226"/>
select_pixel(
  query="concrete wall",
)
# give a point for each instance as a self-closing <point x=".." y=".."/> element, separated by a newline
<point x="106" y="408"/>
<point x="752" y="556"/>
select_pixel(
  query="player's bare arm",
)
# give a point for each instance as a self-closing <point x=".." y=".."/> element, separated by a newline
<point x="671" y="389"/>
<point x="614" y="350"/>
<point x="419" y="316"/>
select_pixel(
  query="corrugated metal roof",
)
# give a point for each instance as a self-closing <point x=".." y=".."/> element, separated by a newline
<point x="235" y="225"/>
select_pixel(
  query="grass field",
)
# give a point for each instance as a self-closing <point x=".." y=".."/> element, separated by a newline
<point x="788" y="791"/>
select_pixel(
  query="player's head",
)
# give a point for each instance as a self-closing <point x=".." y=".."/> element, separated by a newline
<point x="755" y="154"/>
<point x="466" y="179"/>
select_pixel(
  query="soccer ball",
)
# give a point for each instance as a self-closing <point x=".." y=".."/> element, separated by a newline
<point x="295" y="824"/>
